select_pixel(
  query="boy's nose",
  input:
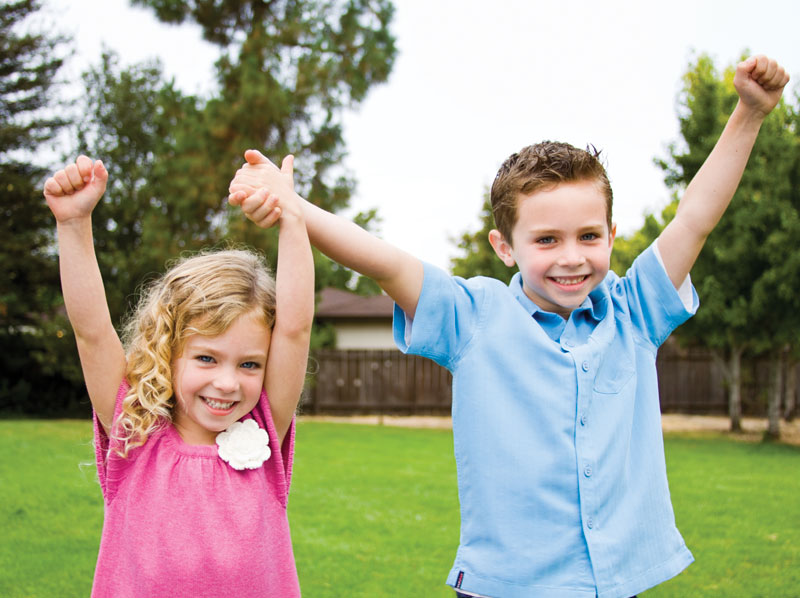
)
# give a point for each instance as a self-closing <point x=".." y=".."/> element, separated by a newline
<point x="571" y="257"/>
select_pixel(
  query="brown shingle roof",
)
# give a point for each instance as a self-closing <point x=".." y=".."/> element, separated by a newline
<point x="336" y="303"/>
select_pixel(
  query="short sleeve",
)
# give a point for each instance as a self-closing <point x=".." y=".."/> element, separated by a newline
<point x="449" y="311"/>
<point x="656" y="308"/>
<point x="105" y="447"/>
<point x="282" y="467"/>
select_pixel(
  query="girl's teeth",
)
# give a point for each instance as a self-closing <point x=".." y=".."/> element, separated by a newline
<point x="218" y="404"/>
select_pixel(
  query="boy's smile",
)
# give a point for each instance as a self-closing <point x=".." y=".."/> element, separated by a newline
<point x="561" y="244"/>
<point x="218" y="379"/>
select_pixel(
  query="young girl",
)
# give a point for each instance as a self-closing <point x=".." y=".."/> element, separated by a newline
<point x="194" y="419"/>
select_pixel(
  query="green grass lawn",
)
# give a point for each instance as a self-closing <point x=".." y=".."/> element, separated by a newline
<point x="374" y="512"/>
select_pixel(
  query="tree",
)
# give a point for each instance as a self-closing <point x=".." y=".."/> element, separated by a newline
<point x="737" y="275"/>
<point x="161" y="199"/>
<point x="288" y="70"/>
<point x="478" y="258"/>
<point x="626" y="249"/>
<point x="32" y="330"/>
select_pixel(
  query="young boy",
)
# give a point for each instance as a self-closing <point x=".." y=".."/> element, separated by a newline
<point x="556" y="419"/>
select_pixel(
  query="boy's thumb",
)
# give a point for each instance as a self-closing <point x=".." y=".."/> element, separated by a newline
<point x="287" y="166"/>
<point x="255" y="157"/>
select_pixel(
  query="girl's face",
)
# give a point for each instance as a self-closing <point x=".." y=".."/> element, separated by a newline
<point x="218" y="379"/>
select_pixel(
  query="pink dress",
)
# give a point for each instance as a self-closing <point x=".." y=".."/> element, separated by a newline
<point x="179" y="521"/>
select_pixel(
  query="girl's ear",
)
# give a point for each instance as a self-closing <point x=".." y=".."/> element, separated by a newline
<point x="501" y="247"/>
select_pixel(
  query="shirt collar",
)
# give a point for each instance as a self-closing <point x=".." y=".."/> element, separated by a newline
<point x="595" y="305"/>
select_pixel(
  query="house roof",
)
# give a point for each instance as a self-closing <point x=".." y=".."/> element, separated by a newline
<point x="336" y="303"/>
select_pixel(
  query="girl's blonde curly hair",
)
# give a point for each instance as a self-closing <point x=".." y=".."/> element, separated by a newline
<point x="203" y="294"/>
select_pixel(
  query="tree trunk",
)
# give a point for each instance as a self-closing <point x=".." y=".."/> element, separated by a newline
<point x="790" y="390"/>
<point x="775" y="395"/>
<point x="732" y="374"/>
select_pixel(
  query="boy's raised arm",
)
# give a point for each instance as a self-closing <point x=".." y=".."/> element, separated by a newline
<point x="397" y="272"/>
<point x="72" y="194"/>
<point x="759" y="81"/>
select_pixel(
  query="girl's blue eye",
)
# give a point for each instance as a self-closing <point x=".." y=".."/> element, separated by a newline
<point x="250" y="365"/>
<point x="205" y="359"/>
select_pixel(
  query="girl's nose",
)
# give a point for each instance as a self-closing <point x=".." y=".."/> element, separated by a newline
<point x="226" y="381"/>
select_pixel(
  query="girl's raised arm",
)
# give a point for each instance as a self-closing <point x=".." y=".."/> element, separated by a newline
<point x="72" y="194"/>
<point x="294" y="309"/>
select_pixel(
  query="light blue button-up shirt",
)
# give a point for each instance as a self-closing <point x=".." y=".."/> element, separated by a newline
<point x="557" y="432"/>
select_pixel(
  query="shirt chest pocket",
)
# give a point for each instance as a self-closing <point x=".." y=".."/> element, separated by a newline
<point x="614" y="373"/>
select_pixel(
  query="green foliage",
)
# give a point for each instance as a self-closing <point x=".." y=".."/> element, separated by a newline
<point x="287" y="72"/>
<point x="32" y="324"/>
<point x="478" y="258"/>
<point x="375" y="507"/>
<point x="736" y="274"/>
<point x="160" y="199"/>
<point x="626" y="249"/>
<point x="289" y="69"/>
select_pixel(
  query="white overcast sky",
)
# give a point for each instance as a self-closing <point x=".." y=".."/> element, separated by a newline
<point x="474" y="81"/>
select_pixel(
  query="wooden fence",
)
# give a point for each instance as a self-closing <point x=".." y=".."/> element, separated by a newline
<point x="387" y="381"/>
<point x="380" y="381"/>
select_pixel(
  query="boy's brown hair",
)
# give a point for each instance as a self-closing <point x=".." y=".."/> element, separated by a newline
<point x="539" y="166"/>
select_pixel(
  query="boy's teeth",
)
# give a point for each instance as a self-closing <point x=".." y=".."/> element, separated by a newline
<point x="574" y="280"/>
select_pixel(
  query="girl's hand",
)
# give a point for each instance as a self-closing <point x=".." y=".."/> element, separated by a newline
<point x="74" y="191"/>
<point x="759" y="81"/>
<point x="261" y="208"/>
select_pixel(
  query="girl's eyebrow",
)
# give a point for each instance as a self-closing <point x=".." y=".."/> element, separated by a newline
<point x="203" y="348"/>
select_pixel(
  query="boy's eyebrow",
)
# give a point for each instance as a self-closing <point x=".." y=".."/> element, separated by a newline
<point x="552" y="231"/>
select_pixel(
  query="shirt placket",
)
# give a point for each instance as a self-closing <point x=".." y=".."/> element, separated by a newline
<point x="585" y="450"/>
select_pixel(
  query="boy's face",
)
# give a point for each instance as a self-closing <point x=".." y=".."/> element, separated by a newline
<point x="561" y="244"/>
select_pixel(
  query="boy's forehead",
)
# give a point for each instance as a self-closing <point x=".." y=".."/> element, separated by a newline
<point x="577" y="200"/>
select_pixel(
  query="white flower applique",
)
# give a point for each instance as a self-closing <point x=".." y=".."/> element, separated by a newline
<point x="244" y="445"/>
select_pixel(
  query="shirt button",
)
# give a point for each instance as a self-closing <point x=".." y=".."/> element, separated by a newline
<point x="584" y="419"/>
<point x="590" y="523"/>
<point x="585" y="366"/>
<point x="587" y="471"/>
<point x="568" y="343"/>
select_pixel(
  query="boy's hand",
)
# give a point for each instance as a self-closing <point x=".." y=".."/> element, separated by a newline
<point x="759" y="81"/>
<point x="74" y="191"/>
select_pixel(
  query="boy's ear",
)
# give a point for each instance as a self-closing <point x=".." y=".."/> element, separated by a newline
<point x="501" y="247"/>
<point x="612" y="234"/>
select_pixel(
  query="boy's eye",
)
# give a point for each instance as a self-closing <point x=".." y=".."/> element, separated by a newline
<point x="545" y="240"/>
<point x="251" y="365"/>
<point x="589" y="236"/>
